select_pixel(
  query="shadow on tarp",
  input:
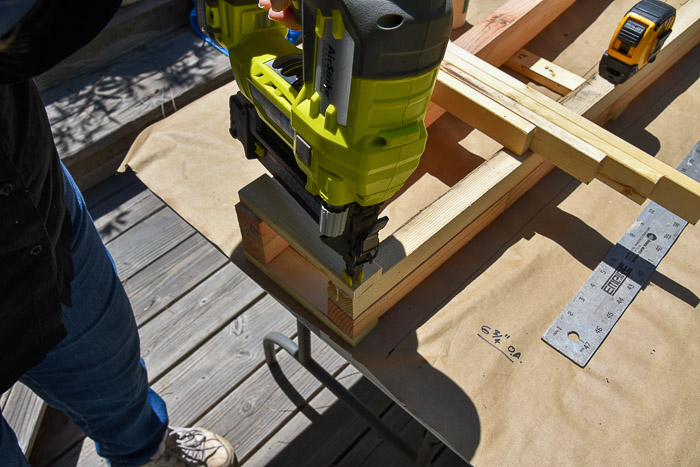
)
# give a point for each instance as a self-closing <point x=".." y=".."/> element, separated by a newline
<point x="348" y="438"/>
<point x="632" y="124"/>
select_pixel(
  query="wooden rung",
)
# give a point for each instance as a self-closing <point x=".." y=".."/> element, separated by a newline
<point x="544" y="72"/>
<point x="576" y="145"/>
<point x="483" y="113"/>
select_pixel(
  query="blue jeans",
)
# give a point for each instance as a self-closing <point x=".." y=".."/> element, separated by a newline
<point x="95" y="375"/>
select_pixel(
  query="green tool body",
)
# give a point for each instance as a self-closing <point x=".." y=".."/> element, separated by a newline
<point x="350" y="105"/>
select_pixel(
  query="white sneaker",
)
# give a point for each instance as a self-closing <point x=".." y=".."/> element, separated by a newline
<point x="193" y="447"/>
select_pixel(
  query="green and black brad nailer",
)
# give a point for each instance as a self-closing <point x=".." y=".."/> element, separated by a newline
<point x="340" y="123"/>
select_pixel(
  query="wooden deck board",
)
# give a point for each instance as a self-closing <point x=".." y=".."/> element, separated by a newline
<point x="193" y="320"/>
<point x="298" y="439"/>
<point x="57" y="438"/>
<point x="23" y="411"/>
<point x="172" y="276"/>
<point x="137" y="208"/>
<point x="222" y="363"/>
<point x="112" y="192"/>
<point x="148" y="242"/>
<point x="381" y="453"/>
<point x="96" y="117"/>
<point x="257" y="409"/>
<point x="140" y="23"/>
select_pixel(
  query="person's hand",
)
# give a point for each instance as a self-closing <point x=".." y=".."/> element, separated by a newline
<point x="280" y="10"/>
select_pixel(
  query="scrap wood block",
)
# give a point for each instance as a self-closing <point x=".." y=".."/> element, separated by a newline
<point x="544" y="72"/>
<point x="415" y="250"/>
<point x="259" y="240"/>
<point x="355" y="329"/>
<point x="297" y="276"/>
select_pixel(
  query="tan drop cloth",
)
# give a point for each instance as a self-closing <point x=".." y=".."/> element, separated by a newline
<point x="638" y="400"/>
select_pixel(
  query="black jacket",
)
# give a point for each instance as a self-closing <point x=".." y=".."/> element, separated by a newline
<point x="35" y="229"/>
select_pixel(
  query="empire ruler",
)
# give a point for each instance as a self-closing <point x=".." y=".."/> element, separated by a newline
<point x="587" y="320"/>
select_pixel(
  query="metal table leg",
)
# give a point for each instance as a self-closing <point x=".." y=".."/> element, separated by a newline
<point x="302" y="353"/>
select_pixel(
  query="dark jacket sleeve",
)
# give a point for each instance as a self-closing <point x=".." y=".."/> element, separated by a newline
<point x="35" y="228"/>
<point x="49" y="32"/>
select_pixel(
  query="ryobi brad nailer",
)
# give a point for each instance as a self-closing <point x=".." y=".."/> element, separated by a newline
<point x="339" y="124"/>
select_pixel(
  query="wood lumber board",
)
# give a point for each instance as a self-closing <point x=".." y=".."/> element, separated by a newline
<point x="259" y="240"/>
<point x="480" y="111"/>
<point x="508" y="28"/>
<point x="461" y="95"/>
<point x="587" y="151"/>
<point x="544" y="72"/>
<point x="499" y="36"/>
<point x="23" y="410"/>
<point x="457" y="84"/>
<point x="480" y="198"/>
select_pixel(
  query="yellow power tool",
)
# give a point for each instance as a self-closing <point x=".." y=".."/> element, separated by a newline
<point x="340" y="123"/>
<point x="637" y="40"/>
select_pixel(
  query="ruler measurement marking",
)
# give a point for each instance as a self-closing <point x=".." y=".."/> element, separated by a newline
<point x="589" y="317"/>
